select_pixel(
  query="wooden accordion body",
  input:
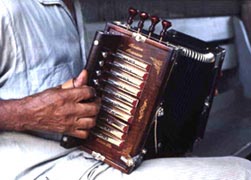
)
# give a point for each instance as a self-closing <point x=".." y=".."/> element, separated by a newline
<point x="131" y="73"/>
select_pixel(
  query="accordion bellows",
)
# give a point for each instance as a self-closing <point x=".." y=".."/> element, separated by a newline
<point x="142" y="78"/>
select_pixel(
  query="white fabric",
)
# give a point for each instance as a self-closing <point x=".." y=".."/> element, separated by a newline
<point x="41" y="46"/>
<point x="20" y="151"/>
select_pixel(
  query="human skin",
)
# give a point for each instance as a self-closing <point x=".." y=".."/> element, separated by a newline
<point x="64" y="109"/>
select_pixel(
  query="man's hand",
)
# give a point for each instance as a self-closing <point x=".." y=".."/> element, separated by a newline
<point x="81" y="80"/>
<point x="67" y="111"/>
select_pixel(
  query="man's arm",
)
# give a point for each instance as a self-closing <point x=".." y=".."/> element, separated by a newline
<point x="55" y="110"/>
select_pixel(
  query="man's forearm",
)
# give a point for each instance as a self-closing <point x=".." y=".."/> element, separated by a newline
<point x="53" y="110"/>
<point x="11" y="114"/>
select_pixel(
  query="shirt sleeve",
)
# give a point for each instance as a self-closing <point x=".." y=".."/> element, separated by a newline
<point x="7" y="45"/>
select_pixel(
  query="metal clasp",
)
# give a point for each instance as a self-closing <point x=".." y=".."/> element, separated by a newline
<point x="138" y="37"/>
<point x="133" y="161"/>
<point x="128" y="161"/>
<point x="98" y="156"/>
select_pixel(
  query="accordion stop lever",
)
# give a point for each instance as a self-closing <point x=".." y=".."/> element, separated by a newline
<point x="165" y="25"/>
<point x="155" y="20"/>
<point x="132" y="13"/>
<point x="143" y="16"/>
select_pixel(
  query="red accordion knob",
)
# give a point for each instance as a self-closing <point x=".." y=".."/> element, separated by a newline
<point x="132" y="13"/>
<point x="143" y="16"/>
<point x="166" y="25"/>
<point x="155" y="20"/>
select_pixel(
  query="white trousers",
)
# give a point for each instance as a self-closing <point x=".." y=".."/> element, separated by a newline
<point x="19" y="151"/>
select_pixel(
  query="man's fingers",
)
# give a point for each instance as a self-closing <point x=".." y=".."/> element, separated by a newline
<point x="86" y="93"/>
<point x="79" y="81"/>
<point x="82" y="109"/>
<point x="88" y="109"/>
<point x="82" y="79"/>
<point x="82" y="134"/>
<point x="85" y="123"/>
<point x="80" y="94"/>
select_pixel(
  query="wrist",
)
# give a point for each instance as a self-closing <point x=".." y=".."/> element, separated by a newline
<point x="13" y="115"/>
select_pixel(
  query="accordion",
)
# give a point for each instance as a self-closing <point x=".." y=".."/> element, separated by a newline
<point x="148" y="82"/>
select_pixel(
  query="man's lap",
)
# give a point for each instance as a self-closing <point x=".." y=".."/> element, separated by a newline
<point x="19" y="152"/>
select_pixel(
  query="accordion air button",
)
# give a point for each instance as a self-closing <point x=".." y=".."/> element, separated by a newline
<point x="98" y="73"/>
<point x="105" y="54"/>
<point x="101" y="63"/>
<point x="96" y="42"/>
<point x="96" y="82"/>
<point x="207" y="104"/>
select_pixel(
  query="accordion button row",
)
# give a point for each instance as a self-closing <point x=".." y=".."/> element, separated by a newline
<point x="120" y="80"/>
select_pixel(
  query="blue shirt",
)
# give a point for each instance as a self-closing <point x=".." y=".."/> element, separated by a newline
<point x="41" y="46"/>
